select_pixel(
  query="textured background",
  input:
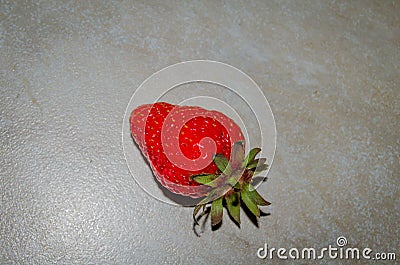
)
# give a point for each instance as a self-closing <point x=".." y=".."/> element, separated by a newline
<point x="330" y="70"/>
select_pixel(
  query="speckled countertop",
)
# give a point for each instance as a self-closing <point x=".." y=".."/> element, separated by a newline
<point x="331" y="73"/>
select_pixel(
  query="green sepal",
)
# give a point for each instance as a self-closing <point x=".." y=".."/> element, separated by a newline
<point x="233" y="205"/>
<point x="232" y="181"/>
<point x="244" y="194"/>
<point x="256" y="162"/>
<point x="250" y="157"/>
<point x="260" y="168"/>
<point x="205" y="179"/>
<point x="237" y="153"/>
<point x="195" y="211"/>
<point x="216" y="211"/>
<point x="223" y="164"/>
<point x="233" y="186"/>
<point x="214" y="194"/>
<point x="255" y="196"/>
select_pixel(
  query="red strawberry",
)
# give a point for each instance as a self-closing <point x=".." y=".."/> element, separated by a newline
<point x="197" y="152"/>
<point x="201" y="134"/>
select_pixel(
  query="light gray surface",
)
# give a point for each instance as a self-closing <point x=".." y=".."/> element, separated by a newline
<point x="68" y="69"/>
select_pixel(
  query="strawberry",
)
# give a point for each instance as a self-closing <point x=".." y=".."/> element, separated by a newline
<point x="175" y="160"/>
<point x="198" y="153"/>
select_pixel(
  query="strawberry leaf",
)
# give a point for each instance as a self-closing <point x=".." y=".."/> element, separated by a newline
<point x="232" y="181"/>
<point x="216" y="211"/>
<point x="205" y="179"/>
<point x="256" y="162"/>
<point x="195" y="211"/>
<point x="223" y="164"/>
<point x="233" y="186"/>
<point x="250" y="157"/>
<point x="233" y="205"/>
<point x="215" y="194"/>
<point x="255" y="196"/>
<point x="244" y="194"/>
<point x="260" y="168"/>
<point x="237" y="153"/>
